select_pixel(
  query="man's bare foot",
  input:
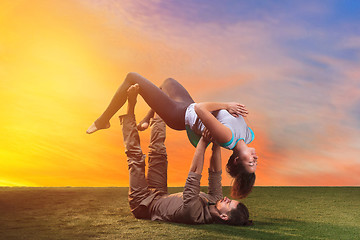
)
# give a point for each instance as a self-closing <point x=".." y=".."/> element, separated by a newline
<point x="143" y="125"/>
<point x="93" y="128"/>
<point x="132" y="93"/>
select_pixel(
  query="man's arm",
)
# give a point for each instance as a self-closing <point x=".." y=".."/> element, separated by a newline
<point x="215" y="187"/>
<point x="215" y="160"/>
<point x="192" y="185"/>
<point x="198" y="159"/>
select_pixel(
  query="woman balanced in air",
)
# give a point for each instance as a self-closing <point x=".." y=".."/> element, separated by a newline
<point x="224" y="122"/>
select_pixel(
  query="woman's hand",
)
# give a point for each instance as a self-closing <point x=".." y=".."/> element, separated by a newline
<point x="237" y="109"/>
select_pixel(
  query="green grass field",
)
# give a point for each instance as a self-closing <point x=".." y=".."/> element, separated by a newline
<point x="103" y="213"/>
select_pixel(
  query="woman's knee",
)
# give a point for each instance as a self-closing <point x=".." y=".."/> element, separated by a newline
<point x="168" y="82"/>
<point x="131" y="77"/>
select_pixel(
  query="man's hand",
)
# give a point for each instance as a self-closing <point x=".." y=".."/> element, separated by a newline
<point x="207" y="136"/>
<point x="237" y="109"/>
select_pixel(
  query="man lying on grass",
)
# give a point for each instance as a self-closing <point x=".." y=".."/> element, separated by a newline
<point x="148" y="197"/>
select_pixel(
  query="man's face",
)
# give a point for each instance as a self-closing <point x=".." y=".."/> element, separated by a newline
<point x="225" y="205"/>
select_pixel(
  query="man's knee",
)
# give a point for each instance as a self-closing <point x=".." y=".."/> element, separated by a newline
<point x="141" y="212"/>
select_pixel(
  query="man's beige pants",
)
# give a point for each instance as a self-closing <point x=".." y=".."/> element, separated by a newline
<point x="142" y="190"/>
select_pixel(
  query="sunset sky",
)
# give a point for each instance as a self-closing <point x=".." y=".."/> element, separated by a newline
<point x="294" y="64"/>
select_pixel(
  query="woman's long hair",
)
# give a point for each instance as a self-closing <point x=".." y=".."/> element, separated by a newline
<point x="243" y="180"/>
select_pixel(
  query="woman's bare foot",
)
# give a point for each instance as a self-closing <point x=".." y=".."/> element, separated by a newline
<point x="93" y="128"/>
<point x="132" y="93"/>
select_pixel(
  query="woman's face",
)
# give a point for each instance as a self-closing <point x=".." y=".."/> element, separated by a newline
<point x="248" y="159"/>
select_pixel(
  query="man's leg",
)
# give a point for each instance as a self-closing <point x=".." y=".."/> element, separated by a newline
<point x="157" y="171"/>
<point x="138" y="187"/>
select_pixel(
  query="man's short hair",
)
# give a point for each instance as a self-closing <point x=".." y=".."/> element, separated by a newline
<point x="239" y="216"/>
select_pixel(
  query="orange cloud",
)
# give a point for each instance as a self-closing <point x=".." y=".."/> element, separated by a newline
<point x="61" y="62"/>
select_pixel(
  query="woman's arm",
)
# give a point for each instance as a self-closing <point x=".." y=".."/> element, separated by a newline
<point x="218" y="131"/>
<point x="233" y="108"/>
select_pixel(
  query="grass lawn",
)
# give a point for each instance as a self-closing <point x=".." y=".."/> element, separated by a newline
<point x="103" y="213"/>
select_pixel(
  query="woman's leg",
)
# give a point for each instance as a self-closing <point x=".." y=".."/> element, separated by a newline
<point x="171" y="111"/>
<point x="175" y="91"/>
